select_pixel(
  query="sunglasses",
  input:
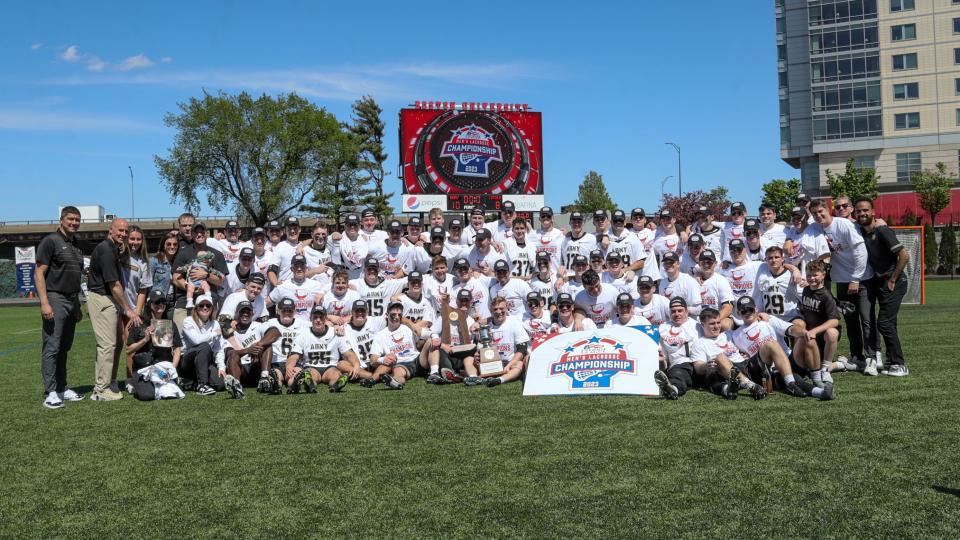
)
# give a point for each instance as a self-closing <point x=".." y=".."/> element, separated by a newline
<point x="204" y="306"/>
<point x="745" y="311"/>
<point x="839" y="206"/>
<point x="565" y="306"/>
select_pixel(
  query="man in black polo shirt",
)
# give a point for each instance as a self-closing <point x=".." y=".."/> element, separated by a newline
<point x="185" y="226"/>
<point x="105" y="302"/>
<point x="215" y="273"/>
<point x="886" y="256"/>
<point x="58" y="274"/>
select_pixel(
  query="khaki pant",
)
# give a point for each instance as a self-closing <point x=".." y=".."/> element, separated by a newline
<point x="104" y="319"/>
<point x="179" y="314"/>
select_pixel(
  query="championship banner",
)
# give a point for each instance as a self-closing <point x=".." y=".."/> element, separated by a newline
<point x="26" y="261"/>
<point x="616" y="360"/>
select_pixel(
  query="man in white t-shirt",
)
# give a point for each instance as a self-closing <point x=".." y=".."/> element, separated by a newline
<point x="482" y="256"/>
<point x="715" y="291"/>
<point x="510" y="341"/>
<point x="319" y="355"/>
<point x="676" y="284"/>
<point x="804" y="242"/>
<point x="520" y="252"/>
<point x="512" y="289"/>
<point x="304" y="292"/>
<point x="576" y="242"/>
<point x="502" y="229"/>
<point x="725" y="368"/>
<point x="676" y="339"/>
<point x="649" y="304"/>
<point x="597" y="301"/>
<point x="396" y="358"/>
<point x="283" y="253"/>
<point x="368" y="230"/>
<point x="627" y="314"/>
<point x="548" y="239"/>
<point x="349" y="249"/>
<point x="733" y="229"/>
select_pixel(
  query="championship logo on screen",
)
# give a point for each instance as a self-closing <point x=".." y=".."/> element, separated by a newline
<point x="593" y="362"/>
<point x="472" y="147"/>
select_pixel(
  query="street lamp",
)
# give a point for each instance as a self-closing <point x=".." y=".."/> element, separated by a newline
<point x="679" y="173"/>
<point x="133" y="209"/>
<point x="663" y="183"/>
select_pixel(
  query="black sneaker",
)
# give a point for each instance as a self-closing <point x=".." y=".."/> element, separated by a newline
<point x="341" y="382"/>
<point x="794" y="390"/>
<point x="435" y="378"/>
<point x="828" y="393"/>
<point x="805" y="385"/>
<point x="492" y="381"/>
<point x="450" y="375"/>
<point x="733" y="384"/>
<point x="758" y="392"/>
<point x="263" y="385"/>
<point x="294" y="387"/>
<point x="473" y="381"/>
<point x="368" y="383"/>
<point x="275" y="385"/>
<point x="234" y="388"/>
<point x="309" y="385"/>
<point x="205" y="390"/>
<point x="390" y="382"/>
<point x="667" y="390"/>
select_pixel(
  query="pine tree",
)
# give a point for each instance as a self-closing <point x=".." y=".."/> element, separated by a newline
<point x="593" y="194"/>
<point x="929" y="249"/>
<point x="367" y="128"/>
<point x="344" y="187"/>
<point x="948" y="250"/>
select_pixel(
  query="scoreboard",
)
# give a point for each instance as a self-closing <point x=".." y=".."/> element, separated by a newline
<point x="457" y="156"/>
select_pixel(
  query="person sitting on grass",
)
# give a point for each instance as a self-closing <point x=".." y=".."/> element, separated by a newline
<point x="649" y="304"/>
<point x="396" y="357"/>
<point x="821" y="322"/>
<point x="279" y="334"/>
<point x="244" y="354"/>
<point x="201" y="333"/>
<point x="510" y="341"/>
<point x="723" y="367"/>
<point x="147" y="345"/>
<point x="319" y="355"/>
<point x="676" y="339"/>
<point x="566" y="316"/>
<point x="447" y="356"/>
<point x="361" y="331"/>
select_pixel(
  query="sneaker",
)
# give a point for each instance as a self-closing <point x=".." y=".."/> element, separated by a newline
<point x="309" y="385"/>
<point x="205" y="390"/>
<point x="450" y="375"/>
<point x="294" y="387"/>
<point x="667" y="390"/>
<point x="368" y="383"/>
<point x="879" y="360"/>
<point x="275" y="386"/>
<point x="342" y="381"/>
<point x="870" y="369"/>
<point x="805" y="385"/>
<point x="828" y="393"/>
<point x="897" y="370"/>
<point x="493" y="381"/>
<point x="847" y="364"/>
<point x="106" y="395"/>
<point x="53" y="401"/>
<point x="825" y="376"/>
<point x="391" y="382"/>
<point x="130" y="389"/>
<point x="733" y="384"/>
<point x="473" y="381"/>
<point x="758" y="392"/>
<point x="263" y="385"/>
<point x="114" y="387"/>
<point x="234" y="388"/>
<point x="70" y="395"/>
<point x="435" y="378"/>
<point x="794" y="390"/>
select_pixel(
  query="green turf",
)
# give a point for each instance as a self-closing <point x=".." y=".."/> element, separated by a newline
<point x="881" y="461"/>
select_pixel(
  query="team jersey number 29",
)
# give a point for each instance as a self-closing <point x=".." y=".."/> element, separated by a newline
<point x="773" y="303"/>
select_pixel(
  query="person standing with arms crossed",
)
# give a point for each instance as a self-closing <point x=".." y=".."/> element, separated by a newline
<point x="105" y="302"/>
<point x="57" y="276"/>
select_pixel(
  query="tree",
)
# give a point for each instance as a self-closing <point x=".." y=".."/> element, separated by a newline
<point x="929" y="248"/>
<point x="343" y="187"/>
<point x="933" y="189"/>
<point x="258" y="157"/>
<point x="782" y="195"/>
<point x="593" y="195"/>
<point x="948" y="250"/>
<point x="367" y="127"/>
<point x="686" y="205"/>
<point x="854" y="182"/>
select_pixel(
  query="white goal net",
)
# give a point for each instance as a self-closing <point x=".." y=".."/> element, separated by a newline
<point x="912" y="240"/>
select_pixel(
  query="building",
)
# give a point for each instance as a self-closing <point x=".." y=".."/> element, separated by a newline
<point x="877" y="81"/>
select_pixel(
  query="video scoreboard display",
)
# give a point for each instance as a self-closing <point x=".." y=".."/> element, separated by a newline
<point x="457" y="156"/>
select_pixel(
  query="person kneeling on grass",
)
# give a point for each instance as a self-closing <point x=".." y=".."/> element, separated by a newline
<point x="764" y="340"/>
<point x="396" y="357"/>
<point x="723" y="366"/>
<point x="676" y="339"/>
<point x="149" y="344"/>
<point x="510" y="341"/>
<point x="244" y="354"/>
<point x="318" y="356"/>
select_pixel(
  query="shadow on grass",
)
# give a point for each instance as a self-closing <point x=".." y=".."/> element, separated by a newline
<point x="947" y="491"/>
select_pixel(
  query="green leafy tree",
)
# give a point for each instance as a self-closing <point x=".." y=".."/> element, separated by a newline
<point x="933" y="189"/>
<point x="929" y="249"/>
<point x="344" y="186"/>
<point x="782" y="195"/>
<point x="367" y="128"/>
<point x="257" y="157"/>
<point x="593" y="195"/>
<point x="948" y="250"/>
<point x="854" y="182"/>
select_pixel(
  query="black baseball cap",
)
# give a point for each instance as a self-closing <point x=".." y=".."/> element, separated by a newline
<point x="371" y="262"/>
<point x="624" y="299"/>
<point x="273" y="224"/>
<point x="197" y="227"/>
<point x="638" y="212"/>
<point x="232" y="224"/>
<point x="665" y="213"/>
<point x="618" y="215"/>
<point x="546" y="211"/>
<point x="298" y="259"/>
<point x="484" y="234"/>
<point x="437" y="232"/>
<point x="745" y="303"/>
<point x="695" y="240"/>
<point x="368" y="212"/>
<point x="579" y="259"/>
<point x="318" y="310"/>
<point x="644" y="281"/>
<point x="455" y="223"/>
<point x="703" y="210"/>
<point x="244" y="305"/>
<point x="258" y="230"/>
<point x="798" y="211"/>
<point x="736" y="243"/>
<point x="477" y="211"/>
<point x="394" y="305"/>
<point x="415" y="276"/>
<point x="257" y="277"/>
<point x="564" y="298"/>
<point x="351" y="219"/>
<point x="670" y="256"/>
<point x="543" y="256"/>
<point x="507" y="206"/>
<point x="599" y="214"/>
<point x="738" y="207"/>
<point x="394" y="226"/>
<point x="464" y="294"/>
<point x="286" y="303"/>
<point x="359" y="305"/>
<point x="292" y="221"/>
<point x="157" y="296"/>
<point x="678" y="301"/>
<point x="415" y="221"/>
<point x="751" y="225"/>
<point x="614" y="256"/>
<point x="708" y="255"/>
<point x="461" y="263"/>
<point x="246" y="252"/>
<point x="534" y="296"/>
<point x="596" y="254"/>
<point x="501" y="265"/>
<point x="576" y="215"/>
<point x="802" y="197"/>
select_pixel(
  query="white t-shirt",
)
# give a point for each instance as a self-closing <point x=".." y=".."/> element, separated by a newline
<point x="848" y="253"/>
<point x="749" y="339"/>
<point x="600" y="308"/>
<point x="416" y="310"/>
<point x="400" y="342"/>
<point x="546" y="289"/>
<point x="716" y="291"/>
<point x="350" y="254"/>
<point x="666" y="242"/>
<point x="375" y="237"/>
<point x="550" y="242"/>
<point x="712" y="240"/>
<point x="657" y="311"/>
<point x="742" y="278"/>
<point x="246" y="338"/>
<point x="507" y="336"/>
<point x="319" y="351"/>
<point x="730" y="231"/>
<point x="807" y="246"/>
<point x="684" y="287"/>
<point x="282" y="254"/>
<point x="774" y="236"/>
<point x="340" y="306"/>
<point x="515" y="292"/>
<point x="499" y="230"/>
<point x="482" y="262"/>
<point x="378" y="295"/>
<point x="621" y="283"/>
<point x="230" y="250"/>
<point x="635" y="320"/>
<point x="304" y="295"/>
<point x="676" y="341"/>
<point x="316" y="257"/>
<point x="432" y="288"/>
<point x="288" y="334"/>
<point x="535" y="326"/>
<point x="393" y="258"/>
<point x="455" y="338"/>
<point x="479" y="288"/>
<point x="588" y="325"/>
<point x="706" y="349"/>
<point x="230" y="303"/>
<point x="627" y="245"/>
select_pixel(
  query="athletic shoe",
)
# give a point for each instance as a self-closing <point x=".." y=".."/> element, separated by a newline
<point x="309" y="385"/>
<point x="848" y="365"/>
<point x="205" y="390"/>
<point x="805" y="385"/>
<point x="846" y="308"/>
<point x="342" y="381"/>
<point x="828" y="393"/>
<point x="70" y="395"/>
<point x="794" y="390"/>
<point x="234" y="388"/>
<point x="391" y="382"/>
<point x="870" y="369"/>
<point x="733" y="384"/>
<point x="106" y="395"/>
<point x="275" y="385"/>
<point x="450" y="375"/>
<point x="492" y="381"/>
<point x="897" y="370"/>
<point x="114" y="387"/>
<point x="667" y="390"/>
<point x="53" y="401"/>
<point x="473" y="381"/>
<point x="825" y="376"/>
<point x="435" y="378"/>
<point x="263" y="385"/>
<point x="368" y="383"/>
<point x="758" y="392"/>
<point x="294" y="387"/>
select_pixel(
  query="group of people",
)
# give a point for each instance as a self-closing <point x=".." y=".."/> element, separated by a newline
<point x="741" y="304"/>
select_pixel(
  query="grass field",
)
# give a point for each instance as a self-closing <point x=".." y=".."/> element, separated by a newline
<point x="881" y="461"/>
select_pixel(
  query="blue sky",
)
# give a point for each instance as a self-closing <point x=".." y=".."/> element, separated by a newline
<point x="84" y="88"/>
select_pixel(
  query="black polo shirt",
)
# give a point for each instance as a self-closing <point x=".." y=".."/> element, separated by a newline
<point x="64" y="262"/>
<point x="104" y="267"/>
<point x="184" y="257"/>
<point x="160" y="354"/>
<point x="882" y="249"/>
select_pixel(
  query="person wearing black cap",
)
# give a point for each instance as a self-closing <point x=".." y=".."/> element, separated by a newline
<point x="574" y="284"/>
<point x="418" y="312"/>
<point x="627" y="313"/>
<point x="434" y="220"/>
<point x="519" y="253"/>
<point x="369" y="231"/>
<point x="514" y="290"/>
<point x="151" y="343"/>
<point x="245" y="356"/>
<point x="676" y="284"/>
<point x="274" y="234"/>
<point x="616" y="273"/>
<point x="192" y="274"/>
<point x="625" y="243"/>
<point x="545" y="282"/>
<point x="511" y="342"/>
<point x="349" y="249"/>
<point x="576" y="242"/>
<point x="456" y="241"/>
<point x="261" y="251"/>
<point x="547" y="238"/>
<point x="771" y="231"/>
<point x="715" y="291"/>
<point x="803" y="201"/>
<point x="597" y="261"/>
<point x="804" y="243"/>
<point x="230" y="245"/>
<point x="304" y="292"/>
<point x="397" y="358"/>
<point x="708" y="228"/>
<point x="414" y="234"/>
<point x="733" y="229"/>
<point x="536" y="320"/>
<point x="252" y="292"/>
<point x="764" y="342"/>
<point x="283" y="253"/>
<point x="479" y="287"/>
<point x="435" y="246"/>
<point x="482" y="256"/>
<point x="601" y="224"/>
<point x="638" y="218"/>
<point x="448" y="352"/>
<point x="597" y="300"/>
<point x="669" y="236"/>
<point x="240" y="272"/>
<point x="396" y="257"/>
<point x="279" y="334"/>
<point x="339" y="298"/>
<point x="502" y="229"/>
<point x="477" y="222"/>
<point x="756" y="247"/>
<point x="740" y="272"/>
<point x="319" y="356"/>
<point x="649" y="304"/>
<point x="689" y="260"/>
<point x="361" y="330"/>
<point x="567" y="321"/>
<point x="722" y="366"/>
<point x="676" y="339"/>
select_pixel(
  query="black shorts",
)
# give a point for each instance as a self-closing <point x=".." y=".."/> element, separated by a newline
<point x="320" y="369"/>
<point x="409" y="367"/>
<point x="454" y="361"/>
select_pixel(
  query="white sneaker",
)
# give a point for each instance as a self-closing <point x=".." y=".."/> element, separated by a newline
<point x="871" y="368"/>
<point x="879" y="361"/>
<point x="53" y="401"/>
<point x="130" y="388"/>
<point x="70" y="395"/>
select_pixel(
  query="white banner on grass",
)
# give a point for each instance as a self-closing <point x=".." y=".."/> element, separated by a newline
<point x="616" y="360"/>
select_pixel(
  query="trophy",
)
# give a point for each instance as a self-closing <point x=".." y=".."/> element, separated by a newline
<point x="488" y="357"/>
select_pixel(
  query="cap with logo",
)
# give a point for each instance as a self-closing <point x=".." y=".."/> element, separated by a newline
<point x="736" y="243"/>
<point x="546" y="211"/>
<point x="576" y="216"/>
<point x="318" y="309"/>
<point x="359" y="305"/>
<point x="666" y="213"/>
<point x="707" y="255"/>
<point x="232" y="224"/>
<point x="415" y="221"/>
<point x="644" y="281"/>
<point x="751" y="225"/>
<point x="477" y="211"/>
<point x="246" y="252"/>
<point x="257" y="278"/>
<point x="371" y="262"/>
<point x="564" y="298"/>
<point x="258" y="230"/>
<point x="579" y="259"/>
<point x="483" y="234"/>
<point x="501" y="266"/>
<point x="618" y="215"/>
<point x="614" y="256"/>
<point x="507" y="206"/>
<point x="596" y="255"/>
<point x="394" y="226"/>
<point x="464" y="295"/>
<point x="745" y="303"/>
<point x="273" y="225"/>
<point x="670" y="256"/>
<point x="455" y="223"/>
<point x="198" y="226"/>
<point x="534" y="296"/>
<point x="368" y="212"/>
<point x="292" y="221"/>
<point x="244" y="305"/>
<point x="624" y="299"/>
<point x="678" y="301"/>
<point x="415" y="276"/>
<point x="798" y="211"/>
<point x="157" y="296"/>
<point x="461" y="263"/>
<point x="803" y="197"/>
<point x="437" y="232"/>
<point x="286" y="304"/>
<point x="298" y="260"/>
<point x="204" y="299"/>
<point x="599" y="214"/>
<point x="695" y="240"/>
<point x="543" y="256"/>
<point x="351" y="219"/>
<point x="738" y="207"/>
<point x="638" y="212"/>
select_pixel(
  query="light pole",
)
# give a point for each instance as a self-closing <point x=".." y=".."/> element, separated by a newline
<point x="133" y="209"/>
<point x="679" y="173"/>
<point x="663" y="183"/>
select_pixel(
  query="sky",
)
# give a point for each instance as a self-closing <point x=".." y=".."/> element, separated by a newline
<point x="85" y="86"/>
